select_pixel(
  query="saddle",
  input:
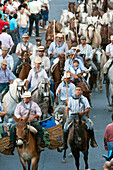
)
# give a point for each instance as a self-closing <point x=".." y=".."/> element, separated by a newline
<point x="55" y="62"/>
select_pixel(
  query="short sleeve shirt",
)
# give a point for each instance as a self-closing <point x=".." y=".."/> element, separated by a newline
<point x="109" y="49"/>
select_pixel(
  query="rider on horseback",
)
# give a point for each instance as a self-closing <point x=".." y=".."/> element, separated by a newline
<point x="109" y="53"/>
<point x="78" y="104"/>
<point x="57" y="48"/>
<point x="22" y="109"/>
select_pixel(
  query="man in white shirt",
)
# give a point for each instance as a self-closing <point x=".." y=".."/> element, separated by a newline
<point x="22" y="22"/>
<point x="109" y="53"/>
<point x="35" y="9"/>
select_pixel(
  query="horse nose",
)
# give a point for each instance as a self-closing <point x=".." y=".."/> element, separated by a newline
<point x="19" y="142"/>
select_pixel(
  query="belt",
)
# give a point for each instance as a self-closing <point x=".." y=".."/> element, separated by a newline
<point x="34" y="14"/>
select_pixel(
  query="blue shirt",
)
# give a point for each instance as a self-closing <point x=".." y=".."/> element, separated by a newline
<point x="69" y="63"/>
<point x="77" y="105"/>
<point x="13" y="24"/>
<point x="5" y="76"/>
<point x="54" y="47"/>
<point x="63" y="94"/>
<point x="10" y="61"/>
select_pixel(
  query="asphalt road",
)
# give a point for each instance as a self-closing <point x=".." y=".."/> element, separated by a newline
<point x="51" y="159"/>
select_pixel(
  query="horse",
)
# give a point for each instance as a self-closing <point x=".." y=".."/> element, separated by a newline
<point x="26" y="144"/>
<point x="13" y="97"/>
<point x="25" y="66"/>
<point x="72" y="7"/>
<point x="79" y="141"/>
<point x="57" y="71"/>
<point x="41" y="95"/>
<point x="93" y="37"/>
<point x="50" y="29"/>
<point x="99" y="58"/>
<point x="108" y="91"/>
<point x="104" y="35"/>
<point x="66" y="16"/>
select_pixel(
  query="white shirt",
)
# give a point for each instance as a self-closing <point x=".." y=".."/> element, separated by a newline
<point x="109" y="49"/>
<point x="45" y="2"/>
<point x="35" y="81"/>
<point x="10" y="7"/>
<point x="35" y="7"/>
<point x="87" y="50"/>
<point x="23" y="47"/>
<point x="6" y="40"/>
<point x="22" y="20"/>
<point x="16" y="4"/>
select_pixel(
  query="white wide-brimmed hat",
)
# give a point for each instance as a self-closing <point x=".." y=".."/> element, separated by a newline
<point x="59" y="35"/>
<point x="37" y="60"/>
<point x="111" y="38"/>
<point x="66" y="75"/>
<point x="25" y="35"/>
<point x="41" y="48"/>
<point x="73" y="48"/>
<point x="4" y="61"/>
<point x="5" y="48"/>
<point x="26" y="94"/>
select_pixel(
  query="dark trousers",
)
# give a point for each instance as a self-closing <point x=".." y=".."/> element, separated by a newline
<point x="33" y="18"/>
<point x="3" y="86"/>
<point x="34" y="124"/>
<point x="15" y="67"/>
<point x="14" y="37"/>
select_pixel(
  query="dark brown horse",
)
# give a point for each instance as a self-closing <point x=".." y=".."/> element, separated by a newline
<point x="58" y="71"/>
<point x="79" y="141"/>
<point x="72" y="7"/>
<point x="25" y="65"/>
<point x="104" y="35"/>
<point x="26" y="145"/>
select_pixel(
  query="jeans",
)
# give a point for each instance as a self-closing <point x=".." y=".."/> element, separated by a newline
<point x="20" y="32"/>
<point x="3" y="86"/>
<point x="15" y="38"/>
<point x="33" y="18"/>
<point x="71" y="117"/>
<point x="110" y="146"/>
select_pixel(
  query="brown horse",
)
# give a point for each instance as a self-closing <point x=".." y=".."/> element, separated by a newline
<point x="25" y="65"/>
<point x="104" y="35"/>
<point x="79" y="141"/>
<point x="26" y="145"/>
<point x="50" y="29"/>
<point x="58" y="71"/>
<point x="72" y="7"/>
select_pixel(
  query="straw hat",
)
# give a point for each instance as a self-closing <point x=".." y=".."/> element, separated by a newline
<point x="66" y="75"/>
<point x="37" y="60"/>
<point x="111" y="38"/>
<point x="70" y="52"/>
<point x="4" y="61"/>
<point x="73" y="48"/>
<point x="5" y="48"/>
<point x="25" y="35"/>
<point x="41" y="48"/>
<point x="59" y="35"/>
<point x="26" y="94"/>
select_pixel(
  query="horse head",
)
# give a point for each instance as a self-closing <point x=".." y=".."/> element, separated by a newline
<point x="90" y="31"/>
<point x="71" y="7"/>
<point x="21" y="130"/>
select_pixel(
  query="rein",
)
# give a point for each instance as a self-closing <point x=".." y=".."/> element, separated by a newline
<point x="13" y="97"/>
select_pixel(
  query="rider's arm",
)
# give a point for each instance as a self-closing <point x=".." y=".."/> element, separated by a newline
<point x="4" y="112"/>
<point x="85" y="112"/>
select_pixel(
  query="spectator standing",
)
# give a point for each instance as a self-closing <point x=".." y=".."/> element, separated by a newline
<point x="45" y="12"/>
<point x="3" y="23"/>
<point x="35" y="9"/>
<point x="6" y="40"/>
<point x="21" y="22"/>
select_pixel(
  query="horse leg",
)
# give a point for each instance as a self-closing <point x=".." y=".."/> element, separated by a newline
<point x="35" y="161"/>
<point x="100" y="83"/>
<point x="23" y="163"/>
<point x="107" y="92"/>
<point x="86" y="158"/>
<point x="64" y="157"/>
<point x="29" y="164"/>
<point x="76" y="156"/>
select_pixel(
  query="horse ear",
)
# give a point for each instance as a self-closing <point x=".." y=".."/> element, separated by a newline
<point x="15" y="118"/>
<point x="49" y="22"/>
<point x="26" y="118"/>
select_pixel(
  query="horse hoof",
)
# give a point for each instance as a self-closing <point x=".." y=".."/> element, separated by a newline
<point x="70" y="155"/>
<point x="110" y="109"/>
<point x="64" y="160"/>
<point x="96" y="89"/>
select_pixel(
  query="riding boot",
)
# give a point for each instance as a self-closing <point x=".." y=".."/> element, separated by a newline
<point x="39" y="141"/>
<point x="11" y="147"/>
<point x="64" y="145"/>
<point x="105" y="79"/>
<point x="93" y="141"/>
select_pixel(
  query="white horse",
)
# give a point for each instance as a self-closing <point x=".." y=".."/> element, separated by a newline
<point x="109" y="92"/>
<point x="69" y="34"/>
<point x="108" y="17"/>
<point x="13" y="97"/>
<point x="66" y="16"/>
<point x="82" y="29"/>
<point x="99" y="58"/>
